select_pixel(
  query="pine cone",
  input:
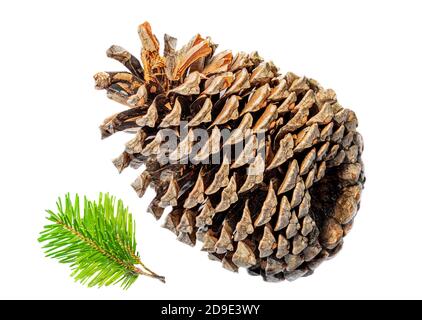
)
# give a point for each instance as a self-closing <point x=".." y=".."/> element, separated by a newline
<point x="281" y="205"/>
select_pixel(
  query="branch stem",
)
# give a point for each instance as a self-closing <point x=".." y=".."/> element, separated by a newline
<point x="149" y="273"/>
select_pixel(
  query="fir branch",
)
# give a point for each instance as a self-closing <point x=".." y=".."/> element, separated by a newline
<point x="99" y="245"/>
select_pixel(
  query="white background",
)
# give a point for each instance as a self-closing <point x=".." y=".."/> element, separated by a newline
<point x="368" y="51"/>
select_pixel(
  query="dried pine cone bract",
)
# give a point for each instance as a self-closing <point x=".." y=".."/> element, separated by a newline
<point x="263" y="168"/>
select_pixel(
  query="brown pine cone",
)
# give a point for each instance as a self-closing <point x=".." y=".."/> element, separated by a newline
<point x="279" y="204"/>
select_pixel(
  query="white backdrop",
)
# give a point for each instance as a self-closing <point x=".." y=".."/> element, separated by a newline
<point x="368" y="51"/>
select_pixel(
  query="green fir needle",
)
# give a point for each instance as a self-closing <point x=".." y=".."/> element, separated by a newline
<point x="99" y="245"/>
